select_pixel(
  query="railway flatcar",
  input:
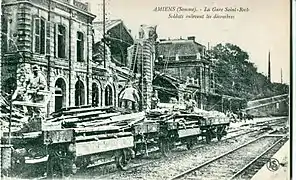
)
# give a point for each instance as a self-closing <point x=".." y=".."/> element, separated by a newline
<point x="76" y="138"/>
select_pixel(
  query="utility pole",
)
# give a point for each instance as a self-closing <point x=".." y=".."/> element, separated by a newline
<point x="269" y="71"/>
<point x="281" y="76"/>
<point x="104" y="33"/>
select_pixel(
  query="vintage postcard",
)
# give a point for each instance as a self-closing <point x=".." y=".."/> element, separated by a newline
<point x="145" y="89"/>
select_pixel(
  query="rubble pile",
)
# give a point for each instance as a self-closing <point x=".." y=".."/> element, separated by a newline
<point x="18" y="118"/>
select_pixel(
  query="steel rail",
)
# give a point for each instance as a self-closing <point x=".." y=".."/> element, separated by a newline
<point x="216" y="158"/>
<point x="254" y="160"/>
<point x="157" y="150"/>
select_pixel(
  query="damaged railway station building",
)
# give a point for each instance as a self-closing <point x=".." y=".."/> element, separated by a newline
<point x="82" y="65"/>
<point x="184" y="71"/>
<point x="55" y="36"/>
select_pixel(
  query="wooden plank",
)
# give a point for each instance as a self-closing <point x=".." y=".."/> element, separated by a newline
<point x="30" y="104"/>
<point x="32" y="134"/>
<point x="100" y="116"/>
<point x="93" y="147"/>
<point x="115" y="120"/>
<point x="135" y="121"/>
<point x="88" y="109"/>
<point x="188" y="115"/>
<point x="39" y="92"/>
<point x="61" y="118"/>
<point x="74" y="109"/>
<point x="104" y="114"/>
<point x="139" y="115"/>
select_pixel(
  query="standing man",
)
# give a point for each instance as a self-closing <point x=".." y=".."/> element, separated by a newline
<point x="130" y="97"/>
<point x="36" y="83"/>
<point x="154" y="99"/>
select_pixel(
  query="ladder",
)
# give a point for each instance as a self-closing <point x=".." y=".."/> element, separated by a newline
<point x="134" y="59"/>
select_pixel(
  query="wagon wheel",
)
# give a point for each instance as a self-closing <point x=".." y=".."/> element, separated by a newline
<point x="122" y="159"/>
<point x="219" y="132"/>
<point x="164" y="147"/>
<point x="83" y="163"/>
<point x="69" y="166"/>
<point x="189" y="144"/>
<point x="208" y="136"/>
<point x="219" y="136"/>
<point x="55" y="167"/>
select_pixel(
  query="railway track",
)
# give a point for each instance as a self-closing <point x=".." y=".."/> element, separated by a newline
<point x="232" y="135"/>
<point x="151" y="162"/>
<point x="248" y="171"/>
<point x="231" y="163"/>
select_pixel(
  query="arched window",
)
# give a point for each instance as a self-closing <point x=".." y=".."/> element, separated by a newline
<point x="60" y="94"/>
<point x="95" y="94"/>
<point x="79" y="93"/>
<point x="108" y="96"/>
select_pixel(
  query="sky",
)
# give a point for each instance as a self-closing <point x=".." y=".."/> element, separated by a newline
<point x="264" y="27"/>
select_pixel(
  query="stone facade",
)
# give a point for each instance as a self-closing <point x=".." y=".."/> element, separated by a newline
<point x="46" y="33"/>
<point x="186" y="60"/>
<point x="110" y="75"/>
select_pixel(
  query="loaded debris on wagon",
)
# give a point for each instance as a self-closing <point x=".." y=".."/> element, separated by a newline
<point x="77" y="137"/>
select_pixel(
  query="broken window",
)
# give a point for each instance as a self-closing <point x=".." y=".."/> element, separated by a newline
<point x="80" y="47"/>
<point x="61" y="41"/>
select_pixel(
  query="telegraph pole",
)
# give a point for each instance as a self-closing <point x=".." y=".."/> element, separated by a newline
<point x="269" y="73"/>
<point x="104" y="33"/>
<point x="281" y="76"/>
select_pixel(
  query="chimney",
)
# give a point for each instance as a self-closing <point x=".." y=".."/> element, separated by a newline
<point x="191" y="38"/>
<point x="129" y="30"/>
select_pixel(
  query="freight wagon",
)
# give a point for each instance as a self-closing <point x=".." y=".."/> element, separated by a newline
<point x="78" y="137"/>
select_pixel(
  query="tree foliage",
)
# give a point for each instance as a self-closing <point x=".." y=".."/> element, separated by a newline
<point x="237" y="76"/>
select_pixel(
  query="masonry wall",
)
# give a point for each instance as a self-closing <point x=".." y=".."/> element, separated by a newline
<point x="20" y="56"/>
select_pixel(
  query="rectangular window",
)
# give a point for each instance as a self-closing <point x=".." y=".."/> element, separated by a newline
<point x="39" y="36"/>
<point x="61" y="41"/>
<point x="80" y="48"/>
<point x="42" y="36"/>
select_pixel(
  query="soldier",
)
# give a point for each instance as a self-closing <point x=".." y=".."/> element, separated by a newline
<point x="154" y="99"/>
<point x="130" y="97"/>
<point x="35" y="84"/>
